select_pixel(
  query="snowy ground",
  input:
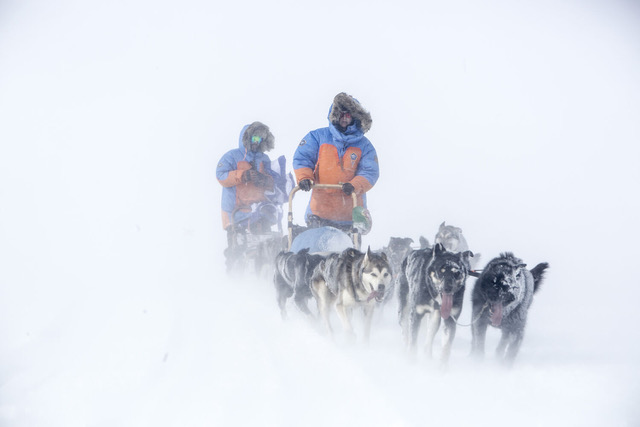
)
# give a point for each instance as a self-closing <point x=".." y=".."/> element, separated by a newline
<point x="516" y="121"/>
<point x="217" y="353"/>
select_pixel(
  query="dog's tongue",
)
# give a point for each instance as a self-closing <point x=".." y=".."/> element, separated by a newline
<point x="445" y="307"/>
<point x="375" y="294"/>
<point x="496" y="313"/>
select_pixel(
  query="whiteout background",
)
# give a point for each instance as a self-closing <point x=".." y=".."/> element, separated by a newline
<point x="517" y="122"/>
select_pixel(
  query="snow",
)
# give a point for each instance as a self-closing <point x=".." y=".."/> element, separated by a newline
<point x="515" y="121"/>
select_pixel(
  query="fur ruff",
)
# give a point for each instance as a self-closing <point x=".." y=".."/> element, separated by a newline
<point x="262" y="130"/>
<point x="346" y="103"/>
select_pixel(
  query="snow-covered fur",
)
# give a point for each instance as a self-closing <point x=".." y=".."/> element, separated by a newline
<point x="347" y="280"/>
<point x="502" y="296"/>
<point x="261" y="130"/>
<point x="292" y="277"/>
<point x="431" y="281"/>
<point x="343" y="102"/>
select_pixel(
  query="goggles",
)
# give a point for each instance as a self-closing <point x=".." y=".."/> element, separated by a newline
<point x="345" y="115"/>
<point x="256" y="139"/>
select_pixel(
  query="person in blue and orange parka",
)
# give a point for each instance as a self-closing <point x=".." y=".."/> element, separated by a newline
<point x="245" y="174"/>
<point x="337" y="154"/>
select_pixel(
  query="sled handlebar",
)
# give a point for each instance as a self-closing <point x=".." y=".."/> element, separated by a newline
<point x="354" y="197"/>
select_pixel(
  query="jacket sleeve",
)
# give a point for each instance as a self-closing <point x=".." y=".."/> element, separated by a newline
<point x="227" y="171"/>
<point x="368" y="170"/>
<point x="305" y="158"/>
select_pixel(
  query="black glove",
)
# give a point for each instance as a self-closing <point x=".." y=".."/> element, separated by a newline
<point x="347" y="188"/>
<point x="305" y="184"/>
<point x="250" y="175"/>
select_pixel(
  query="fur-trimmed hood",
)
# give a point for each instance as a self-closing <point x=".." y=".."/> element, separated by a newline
<point x="257" y="129"/>
<point x="343" y="102"/>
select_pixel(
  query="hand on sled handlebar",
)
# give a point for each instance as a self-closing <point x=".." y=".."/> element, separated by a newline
<point x="305" y="184"/>
<point x="348" y="188"/>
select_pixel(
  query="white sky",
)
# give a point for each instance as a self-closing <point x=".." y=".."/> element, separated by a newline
<point x="517" y="122"/>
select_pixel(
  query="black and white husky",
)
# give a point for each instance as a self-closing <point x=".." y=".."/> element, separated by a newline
<point x="292" y="277"/>
<point x="502" y="296"/>
<point x="432" y="281"/>
<point x="347" y="280"/>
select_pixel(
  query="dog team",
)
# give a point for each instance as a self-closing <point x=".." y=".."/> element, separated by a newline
<point x="338" y="164"/>
<point x="427" y="282"/>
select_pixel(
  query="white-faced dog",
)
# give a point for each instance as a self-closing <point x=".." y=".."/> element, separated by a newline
<point x="347" y="280"/>
<point x="502" y="296"/>
<point x="292" y="278"/>
<point x="432" y="281"/>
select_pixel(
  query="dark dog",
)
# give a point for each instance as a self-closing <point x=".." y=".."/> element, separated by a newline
<point x="292" y="276"/>
<point x="502" y="296"/>
<point x="347" y="280"/>
<point x="432" y="281"/>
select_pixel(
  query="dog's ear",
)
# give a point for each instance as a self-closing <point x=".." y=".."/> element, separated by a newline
<point x="442" y="225"/>
<point x="438" y="249"/>
<point x="384" y="256"/>
<point x="367" y="256"/>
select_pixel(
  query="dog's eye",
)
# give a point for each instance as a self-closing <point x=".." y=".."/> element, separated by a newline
<point x="374" y="275"/>
<point x="386" y="274"/>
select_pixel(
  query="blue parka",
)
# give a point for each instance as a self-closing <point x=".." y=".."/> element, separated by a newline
<point x="329" y="156"/>
<point x="235" y="193"/>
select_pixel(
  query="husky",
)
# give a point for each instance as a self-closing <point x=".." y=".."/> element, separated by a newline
<point x="292" y="277"/>
<point x="350" y="279"/>
<point x="453" y="240"/>
<point x="396" y="250"/>
<point x="432" y="280"/>
<point x="502" y="296"/>
<point x="265" y="254"/>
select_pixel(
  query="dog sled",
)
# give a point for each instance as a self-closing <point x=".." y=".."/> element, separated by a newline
<point x="252" y="242"/>
<point x="327" y="238"/>
<point x="252" y="249"/>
